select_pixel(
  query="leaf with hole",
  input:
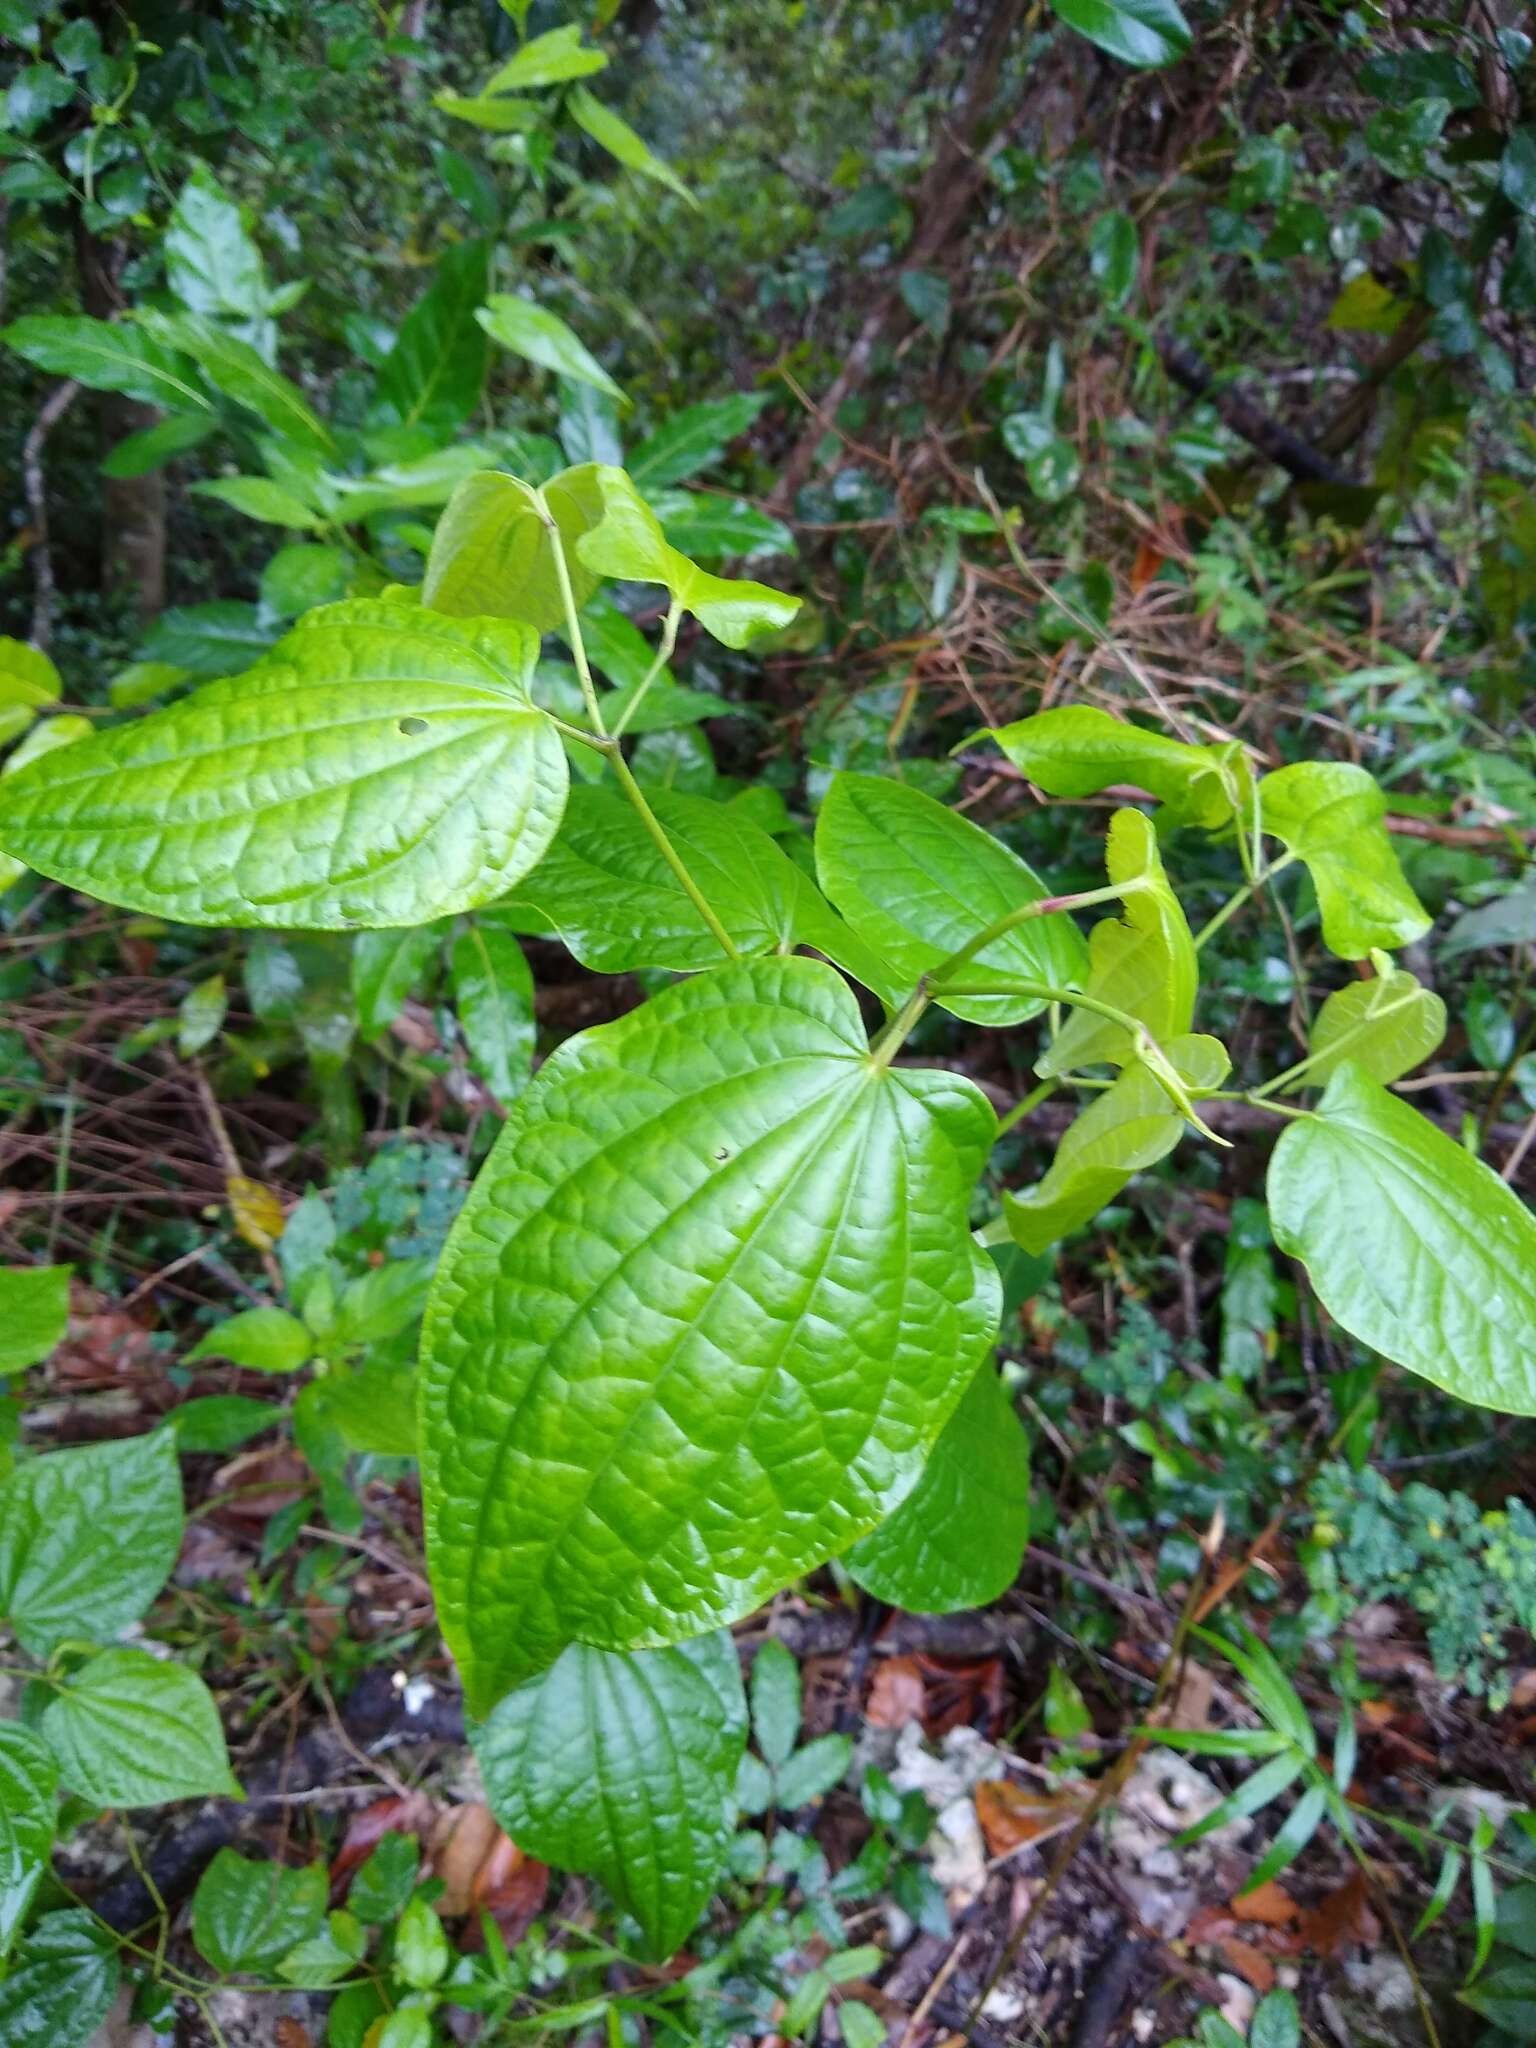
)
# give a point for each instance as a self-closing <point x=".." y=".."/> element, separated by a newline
<point x="625" y="1767"/>
<point x="383" y="767"/>
<point x="705" y="1311"/>
<point x="917" y="881"/>
<point x="958" y="1538"/>
<point x="1416" y="1248"/>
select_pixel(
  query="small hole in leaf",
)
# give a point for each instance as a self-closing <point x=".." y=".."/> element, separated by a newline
<point x="723" y="1153"/>
<point x="412" y="726"/>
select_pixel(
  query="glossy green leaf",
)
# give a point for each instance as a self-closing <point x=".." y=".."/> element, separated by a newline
<point x="247" y="1915"/>
<point x="491" y="553"/>
<point x="1146" y="33"/>
<point x="493" y="994"/>
<point x="811" y="1772"/>
<point x="304" y="575"/>
<point x="62" y="730"/>
<point x="628" y="543"/>
<point x="434" y="374"/>
<point x="371" y="1407"/>
<point x="221" y="1422"/>
<point x="387" y="967"/>
<point x="383" y="1302"/>
<point x="153" y="447"/>
<point x="421" y="1951"/>
<point x="917" y="881"/>
<point x="1142" y="962"/>
<point x="958" y="1538"/>
<point x="107" y="356"/>
<point x="539" y="336"/>
<point x="377" y="1894"/>
<point x="129" y="1730"/>
<point x="609" y="131"/>
<point x="87" y="1539"/>
<point x="241" y="373"/>
<point x="34" y="1313"/>
<point x="383" y="767"/>
<point x="1076" y="751"/>
<point x="216" y="639"/>
<point x="775" y="1702"/>
<point x="259" y="498"/>
<point x="1329" y="814"/>
<point x="28" y="1798"/>
<point x="61" y="1985"/>
<point x="695" y="438"/>
<point x="1416" y="1248"/>
<point x="260" y="1339"/>
<point x="707" y="1307"/>
<point x="501" y="116"/>
<point x="610" y="894"/>
<point x="549" y="59"/>
<point x="1387" y="1026"/>
<point x="1127" y="1128"/>
<point x="211" y="262"/>
<point x="324" y="1958"/>
<point x="624" y="1767"/>
<point x="720" y="529"/>
<point x="29" y="682"/>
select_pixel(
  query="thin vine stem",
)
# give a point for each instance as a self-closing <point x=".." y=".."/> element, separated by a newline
<point x="664" y="651"/>
<point x="1043" y="906"/>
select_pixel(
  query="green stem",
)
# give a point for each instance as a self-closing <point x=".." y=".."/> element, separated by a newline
<point x="668" y="641"/>
<point x="1235" y="902"/>
<point x="572" y="623"/>
<point x="1022" y="1108"/>
<point x="1044" y="906"/>
<point x="891" y="1039"/>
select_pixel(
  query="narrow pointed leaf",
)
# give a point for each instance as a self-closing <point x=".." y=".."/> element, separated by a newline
<point x="434" y="374"/>
<point x="1076" y="751"/>
<point x="958" y="1538"/>
<point x="917" y="881"/>
<point x="493" y="992"/>
<point x="1415" y="1247"/>
<point x="1301" y="1824"/>
<point x="1142" y="962"/>
<point x="614" y="134"/>
<point x="708" y="1306"/>
<point x="233" y="367"/>
<point x="383" y="767"/>
<point x="108" y="356"/>
<point x="693" y="439"/>
<point x="1127" y="1128"/>
<point x="624" y="1767"/>
<point x="491" y="555"/>
<point x="1329" y="814"/>
<point x="1146" y="33"/>
<point x="1387" y="1026"/>
<point x="539" y="336"/>
<point x="259" y="498"/>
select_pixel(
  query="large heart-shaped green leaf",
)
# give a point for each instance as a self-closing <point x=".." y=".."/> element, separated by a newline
<point x="491" y="554"/>
<point x="917" y="881"/>
<point x="1143" y="962"/>
<point x="383" y="767"/>
<point x="624" y="1766"/>
<point x="707" y="1307"/>
<point x="88" y="1538"/>
<point x="958" y="1537"/>
<point x="1417" y="1248"/>
<point x="61" y="1985"/>
<point x="1329" y="814"/>
<point x="1077" y="750"/>
<point x="1130" y="1126"/>
<point x="247" y="1915"/>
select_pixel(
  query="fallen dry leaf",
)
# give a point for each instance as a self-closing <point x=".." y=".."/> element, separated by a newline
<point x="1011" y="1817"/>
<point x="1250" y="1963"/>
<point x="365" y="1830"/>
<point x="1267" y="1905"/>
<point x="291" y="2033"/>
<point x="257" y="1210"/>
<point x="481" y="1866"/>
<point x="897" y="1694"/>
<point x="1342" y="1920"/>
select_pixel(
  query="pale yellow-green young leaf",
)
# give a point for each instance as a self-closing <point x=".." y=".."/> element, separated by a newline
<point x="620" y="140"/>
<point x="628" y="543"/>
<point x="1076" y="751"/>
<point x="492" y="555"/>
<point x="28" y="681"/>
<point x="1329" y="813"/>
<point x="1387" y="1026"/>
<point x="539" y="336"/>
<point x="549" y="59"/>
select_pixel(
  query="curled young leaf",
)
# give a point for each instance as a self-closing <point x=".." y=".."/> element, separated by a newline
<point x="628" y="543"/>
<point x="917" y="881"/>
<point x="707" y="1307"/>
<point x="624" y="1766"/>
<point x="1142" y="962"/>
<point x="1128" y="1127"/>
<point x="958" y="1537"/>
<point x="383" y="767"/>
<point x="1387" y="1026"/>
<point x="1415" y="1247"/>
<point x="1328" y="813"/>
<point x="1077" y="750"/>
<point x="491" y="554"/>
